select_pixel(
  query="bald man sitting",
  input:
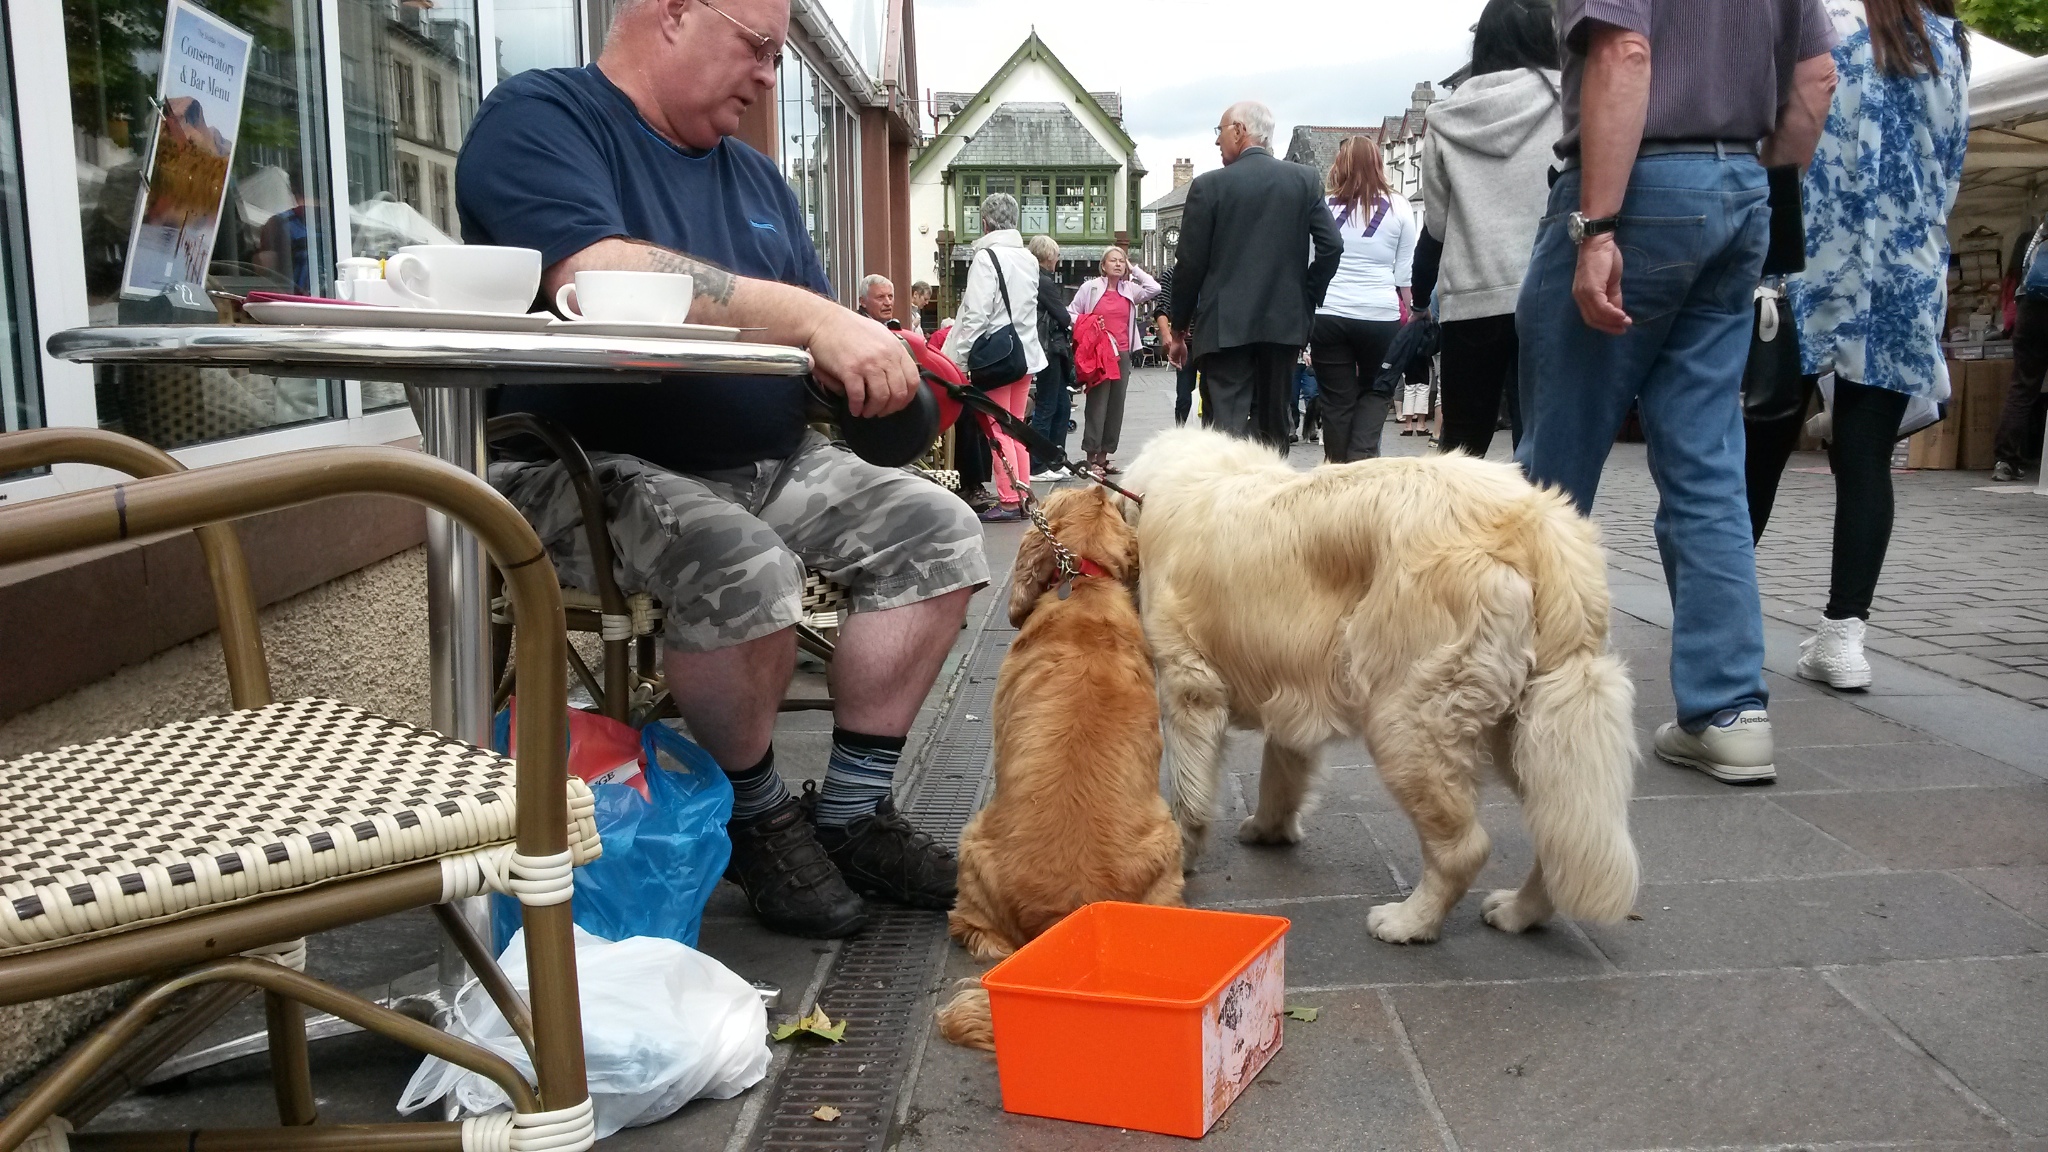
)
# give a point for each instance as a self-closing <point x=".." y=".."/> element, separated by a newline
<point x="719" y="495"/>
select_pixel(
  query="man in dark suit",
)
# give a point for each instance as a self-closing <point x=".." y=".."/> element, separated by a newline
<point x="1245" y="287"/>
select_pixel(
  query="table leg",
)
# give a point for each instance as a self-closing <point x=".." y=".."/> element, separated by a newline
<point x="458" y="619"/>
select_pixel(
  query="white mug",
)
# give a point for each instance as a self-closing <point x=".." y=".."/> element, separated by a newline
<point x="465" y="277"/>
<point x="627" y="297"/>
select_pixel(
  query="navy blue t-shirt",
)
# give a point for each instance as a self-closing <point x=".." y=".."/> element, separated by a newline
<point x="559" y="159"/>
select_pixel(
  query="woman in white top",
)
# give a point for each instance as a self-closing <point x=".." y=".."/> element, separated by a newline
<point x="1365" y="303"/>
<point x="982" y="308"/>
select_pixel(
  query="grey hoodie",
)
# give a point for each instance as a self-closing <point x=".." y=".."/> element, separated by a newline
<point x="1485" y="159"/>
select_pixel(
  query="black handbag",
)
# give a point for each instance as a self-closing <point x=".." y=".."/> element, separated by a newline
<point x="1787" y="251"/>
<point x="996" y="357"/>
<point x="1772" y="387"/>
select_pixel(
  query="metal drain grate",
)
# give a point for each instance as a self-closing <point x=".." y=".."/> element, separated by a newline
<point x="880" y="980"/>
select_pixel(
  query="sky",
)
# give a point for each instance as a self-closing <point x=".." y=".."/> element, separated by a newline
<point x="1179" y="63"/>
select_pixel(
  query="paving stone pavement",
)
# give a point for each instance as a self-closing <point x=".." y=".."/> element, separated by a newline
<point x="1854" y="958"/>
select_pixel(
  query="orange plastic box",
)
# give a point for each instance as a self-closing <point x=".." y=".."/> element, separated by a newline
<point x="1139" y="1017"/>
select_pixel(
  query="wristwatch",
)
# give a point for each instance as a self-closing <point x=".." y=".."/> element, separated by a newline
<point x="1580" y="229"/>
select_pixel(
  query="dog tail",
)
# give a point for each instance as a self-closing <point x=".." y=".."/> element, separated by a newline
<point x="965" y="1018"/>
<point x="1575" y="756"/>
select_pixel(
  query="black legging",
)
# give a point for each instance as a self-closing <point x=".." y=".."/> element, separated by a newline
<point x="1866" y="425"/>
<point x="1345" y="355"/>
<point x="1478" y="363"/>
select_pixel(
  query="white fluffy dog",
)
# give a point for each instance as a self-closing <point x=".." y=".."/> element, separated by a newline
<point x="1443" y="609"/>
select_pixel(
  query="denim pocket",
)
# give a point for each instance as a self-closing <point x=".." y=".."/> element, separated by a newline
<point x="1660" y="258"/>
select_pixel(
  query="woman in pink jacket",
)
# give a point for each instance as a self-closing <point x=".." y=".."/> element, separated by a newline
<point x="1115" y="296"/>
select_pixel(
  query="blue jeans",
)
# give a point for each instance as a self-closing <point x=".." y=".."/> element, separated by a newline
<point x="1052" y="406"/>
<point x="1183" y="393"/>
<point x="1692" y="236"/>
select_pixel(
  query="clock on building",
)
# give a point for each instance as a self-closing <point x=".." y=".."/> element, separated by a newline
<point x="1173" y="237"/>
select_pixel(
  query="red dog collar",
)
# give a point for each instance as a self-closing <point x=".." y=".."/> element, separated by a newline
<point x="1091" y="568"/>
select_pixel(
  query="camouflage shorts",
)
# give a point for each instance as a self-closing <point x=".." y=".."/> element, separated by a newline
<point x="725" y="551"/>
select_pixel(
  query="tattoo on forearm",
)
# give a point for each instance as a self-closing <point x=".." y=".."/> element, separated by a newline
<point x="707" y="280"/>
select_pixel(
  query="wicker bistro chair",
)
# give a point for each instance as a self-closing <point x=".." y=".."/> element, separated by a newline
<point x="199" y="855"/>
<point x="631" y="688"/>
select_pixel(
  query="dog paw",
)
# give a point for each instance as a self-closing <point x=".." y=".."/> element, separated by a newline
<point x="1504" y="909"/>
<point x="1401" y="924"/>
<point x="1256" y="831"/>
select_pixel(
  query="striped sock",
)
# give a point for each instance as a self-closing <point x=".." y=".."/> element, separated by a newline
<point x="756" y="791"/>
<point x="857" y="777"/>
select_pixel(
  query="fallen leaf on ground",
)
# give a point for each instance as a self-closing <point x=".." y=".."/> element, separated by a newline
<point x="816" y="1024"/>
<point x="1302" y="1013"/>
<point x="1635" y="915"/>
<point x="827" y="1113"/>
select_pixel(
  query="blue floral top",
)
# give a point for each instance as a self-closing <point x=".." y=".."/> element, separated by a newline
<point x="1871" y="302"/>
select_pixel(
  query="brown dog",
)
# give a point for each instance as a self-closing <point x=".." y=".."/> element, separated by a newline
<point x="1077" y="816"/>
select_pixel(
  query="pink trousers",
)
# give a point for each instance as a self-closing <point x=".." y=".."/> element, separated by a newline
<point x="1002" y="445"/>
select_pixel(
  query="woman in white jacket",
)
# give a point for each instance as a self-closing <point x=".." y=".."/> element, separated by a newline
<point x="982" y="308"/>
<point x="1486" y="156"/>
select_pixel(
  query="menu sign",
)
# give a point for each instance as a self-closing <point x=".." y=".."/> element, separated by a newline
<point x="185" y="180"/>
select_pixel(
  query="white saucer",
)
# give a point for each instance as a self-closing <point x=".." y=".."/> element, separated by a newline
<point x="375" y="316"/>
<point x="643" y="329"/>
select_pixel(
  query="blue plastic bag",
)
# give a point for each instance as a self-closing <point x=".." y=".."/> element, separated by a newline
<point x="662" y="856"/>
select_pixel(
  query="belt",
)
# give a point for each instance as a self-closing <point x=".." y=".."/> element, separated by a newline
<point x="1721" y="148"/>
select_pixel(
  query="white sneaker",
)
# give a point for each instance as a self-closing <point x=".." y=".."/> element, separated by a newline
<point x="1834" y="656"/>
<point x="1047" y="476"/>
<point x="1734" y="749"/>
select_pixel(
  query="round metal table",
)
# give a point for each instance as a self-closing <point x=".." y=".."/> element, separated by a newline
<point x="452" y="369"/>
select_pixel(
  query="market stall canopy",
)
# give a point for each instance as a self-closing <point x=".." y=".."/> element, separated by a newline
<point x="2008" y="128"/>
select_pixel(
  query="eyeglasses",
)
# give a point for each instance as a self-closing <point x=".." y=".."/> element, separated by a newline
<point x="766" y="51"/>
<point x="1220" y="128"/>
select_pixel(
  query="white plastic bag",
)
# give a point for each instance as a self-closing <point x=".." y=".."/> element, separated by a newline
<point x="663" y="1024"/>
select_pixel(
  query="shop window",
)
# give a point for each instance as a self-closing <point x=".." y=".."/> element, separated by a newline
<point x="21" y="393"/>
<point x="438" y="45"/>
<point x="1037" y="205"/>
<point x="538" y="34"/>
<point x="1098" y="205"/>
<point x="813" y="126"/>
<point x="221" y="193"/>
<point x="1068" y="215"/>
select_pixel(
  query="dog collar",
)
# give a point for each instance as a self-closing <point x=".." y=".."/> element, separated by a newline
<point x="1082" y="567"/>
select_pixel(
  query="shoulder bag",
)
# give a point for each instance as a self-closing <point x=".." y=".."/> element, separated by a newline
<point x="997" y="357"/>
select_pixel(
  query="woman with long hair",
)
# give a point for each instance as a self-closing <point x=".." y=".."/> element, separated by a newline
<point x="1869" y="305"/>
<point x="1113" y="296"/>
<point x="1363" y="307"/>
<point x="1485" y="159"/>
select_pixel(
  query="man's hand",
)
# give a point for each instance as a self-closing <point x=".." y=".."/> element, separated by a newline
<point x="863" y="361"/>
<point x="1596" y="285"/>
<point x="1176" y="350"/>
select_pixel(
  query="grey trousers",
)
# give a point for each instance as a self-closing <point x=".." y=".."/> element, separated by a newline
<point x="1105" y="419"/>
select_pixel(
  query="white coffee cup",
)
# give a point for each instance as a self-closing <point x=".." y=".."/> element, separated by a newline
<point x="627" y="297"/>
<point x="465" y="277"/>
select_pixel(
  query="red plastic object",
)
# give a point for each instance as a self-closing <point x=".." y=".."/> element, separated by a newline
<point x="1141" y="1017"/>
